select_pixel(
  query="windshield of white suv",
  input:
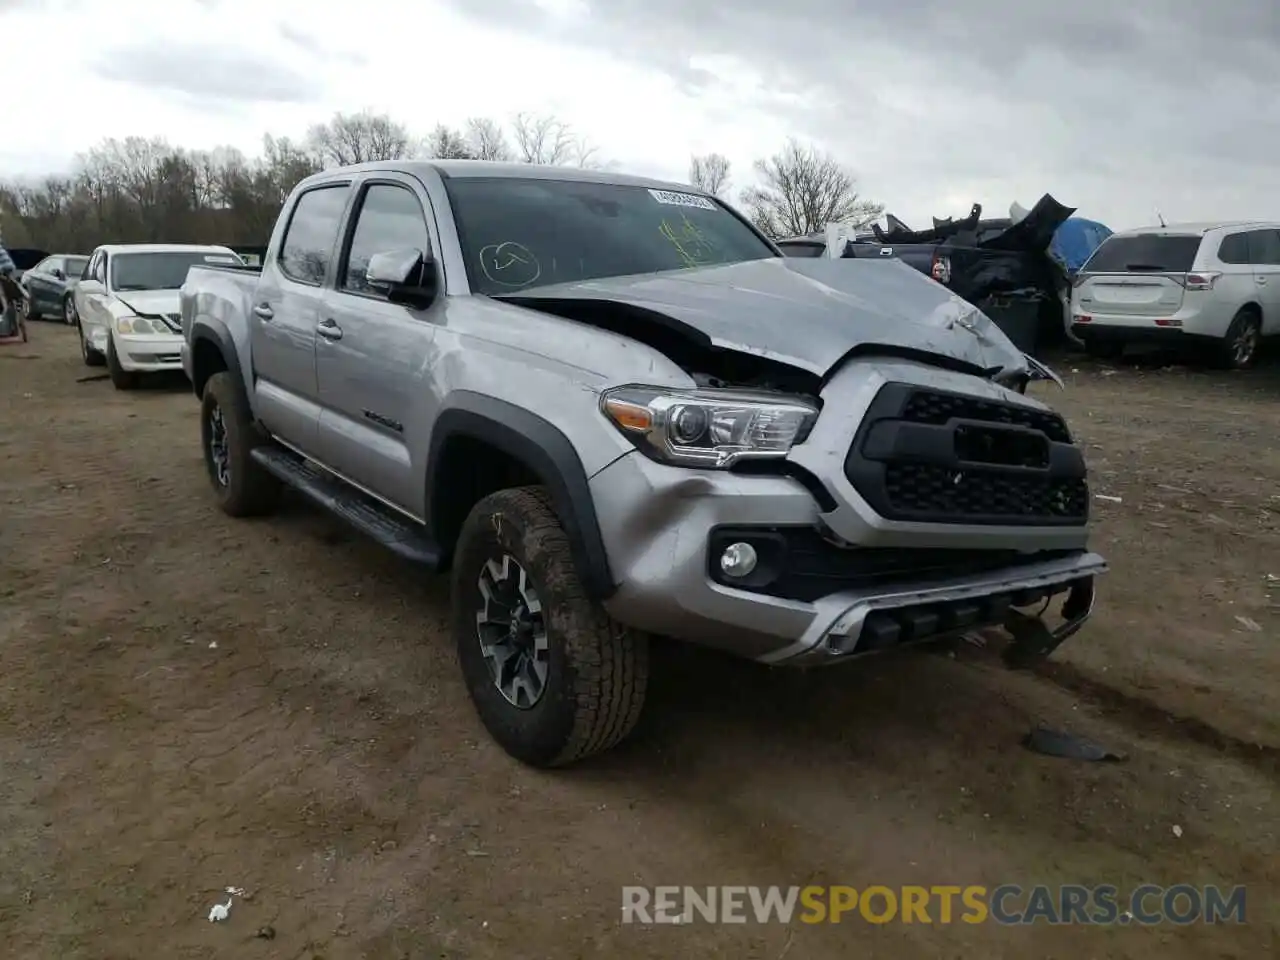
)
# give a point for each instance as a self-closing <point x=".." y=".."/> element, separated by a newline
<point x="1145" y="253"/>
<point x="158" y="271"/>
<point x="521" y="233"/>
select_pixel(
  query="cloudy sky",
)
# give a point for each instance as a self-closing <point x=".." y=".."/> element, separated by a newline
<point x="1118" y="109"/>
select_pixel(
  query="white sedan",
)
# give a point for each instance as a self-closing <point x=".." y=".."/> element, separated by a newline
<point x="126" y="307"/>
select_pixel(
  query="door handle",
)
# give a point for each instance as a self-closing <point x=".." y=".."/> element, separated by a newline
<point x="263" y="311"/>
<point x="329" y="329"/>
<point x="1261" y="281"/>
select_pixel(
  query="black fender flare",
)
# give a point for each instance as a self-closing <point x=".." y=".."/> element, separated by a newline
<point x="547" y="452"/>
<point x="209" y="330"/>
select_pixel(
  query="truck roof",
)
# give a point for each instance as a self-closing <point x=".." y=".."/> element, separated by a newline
<point x="489" y="168"/>
<point x="161" y="247"/>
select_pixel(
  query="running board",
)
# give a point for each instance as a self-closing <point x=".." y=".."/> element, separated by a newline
<point x="376" y="520"/>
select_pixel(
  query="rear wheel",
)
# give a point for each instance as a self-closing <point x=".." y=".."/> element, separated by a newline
<point x="229" y="435"/>
<point x="1239" y="348"/>
<point x="121" y="378"/>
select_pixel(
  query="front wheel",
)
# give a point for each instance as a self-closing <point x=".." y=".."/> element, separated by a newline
<point x="28" y="307"/>
<point x="121" y="378"/>
<point x="90" y="356"/>
<point x="552" y="676"/>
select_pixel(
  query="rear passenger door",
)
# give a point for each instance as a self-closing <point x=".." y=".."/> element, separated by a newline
<point x="285" y="310"/>
<point x="375" y="360"/>
<point x="1264" y="255"/>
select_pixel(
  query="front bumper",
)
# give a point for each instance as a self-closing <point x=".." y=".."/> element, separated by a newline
<point x="149" y="354"/>
<point x="849" y="580"/>
<point x="659" y="522"/>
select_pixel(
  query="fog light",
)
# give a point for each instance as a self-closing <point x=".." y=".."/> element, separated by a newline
<point x="738" y="559"/>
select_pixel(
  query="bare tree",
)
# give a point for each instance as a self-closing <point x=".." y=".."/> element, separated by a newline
<point x="542" y="139"/>
<point x="548" y="140"/>
<point x="803" y="190"/>
<point x="359" y="137"/>
<point x="445" y="143"/>
<point x="486" y="140"/>
<point x="709" y="172"/>
<point x="137" y="189"/>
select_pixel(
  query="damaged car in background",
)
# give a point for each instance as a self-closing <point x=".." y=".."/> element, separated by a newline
<point x="1018" y="269"/>
<point x="610" y="409"/>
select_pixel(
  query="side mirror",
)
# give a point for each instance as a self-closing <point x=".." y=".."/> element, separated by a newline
<point x="58" y="274"/>
<point x="407" y="275"/>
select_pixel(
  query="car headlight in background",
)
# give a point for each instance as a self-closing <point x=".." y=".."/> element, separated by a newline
<point x="128" y="325"/>
<point x="708" y="428"/>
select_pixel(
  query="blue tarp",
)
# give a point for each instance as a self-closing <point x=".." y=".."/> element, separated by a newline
<point x="1075" y="241"/>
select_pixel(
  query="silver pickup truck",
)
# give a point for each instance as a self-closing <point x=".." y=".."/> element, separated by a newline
<point x="612" y="409"/>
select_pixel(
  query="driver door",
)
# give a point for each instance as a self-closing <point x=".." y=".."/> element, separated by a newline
<point x="375" y="359"/>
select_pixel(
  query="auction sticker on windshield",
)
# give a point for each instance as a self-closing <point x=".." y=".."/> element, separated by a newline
<point x="681" y="199"/>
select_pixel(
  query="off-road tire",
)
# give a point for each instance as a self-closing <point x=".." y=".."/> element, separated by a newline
<point x="1245" y="320"/>
<point x="250" y="490"/>
<point x="121" y="378"/>
<point x="598" y="670"/>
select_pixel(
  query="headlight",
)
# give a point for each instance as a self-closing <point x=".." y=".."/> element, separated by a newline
<point x="708" y="428"/>
<point x="127" y="325"/>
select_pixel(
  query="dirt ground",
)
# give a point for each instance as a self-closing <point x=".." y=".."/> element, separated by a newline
<point x="189" y="702"/>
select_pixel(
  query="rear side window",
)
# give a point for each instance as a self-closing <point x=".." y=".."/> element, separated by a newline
<point x="1144" y="253"/>
<point x="1264" y="247"/>
<point x="312" y="232"/>
<point x="1234" y="248"/>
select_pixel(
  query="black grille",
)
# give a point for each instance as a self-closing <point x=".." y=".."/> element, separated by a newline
<point x="934" y="406"/>
<point x="938" y="457"/>
<point x="928" y="488"/>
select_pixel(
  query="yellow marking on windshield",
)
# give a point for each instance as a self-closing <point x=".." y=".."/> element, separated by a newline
<point x="692" y="245"/>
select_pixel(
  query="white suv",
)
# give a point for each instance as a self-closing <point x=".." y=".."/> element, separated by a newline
<point x="1212" y="287"/>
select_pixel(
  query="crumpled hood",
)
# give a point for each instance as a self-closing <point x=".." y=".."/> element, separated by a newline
<point x="808" y="313"/>
<point x="151" y="303"/>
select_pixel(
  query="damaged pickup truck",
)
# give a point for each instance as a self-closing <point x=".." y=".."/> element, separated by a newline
<point x="612" y="409"/>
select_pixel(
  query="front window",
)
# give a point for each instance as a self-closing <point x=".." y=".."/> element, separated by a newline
<point x="521" y="233"/>
<point x="160" y="271"/>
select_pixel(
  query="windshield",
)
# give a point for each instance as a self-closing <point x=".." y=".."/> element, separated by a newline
<point x="1144" y="252"/>
<point x="523" y="233"/>
<point x="75" y="266"/>
<point x="159" y="271"/>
